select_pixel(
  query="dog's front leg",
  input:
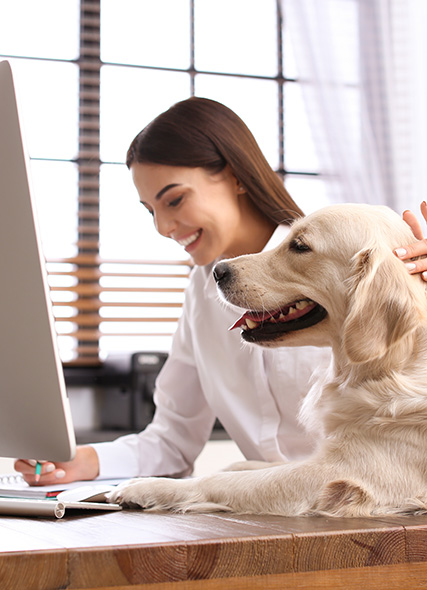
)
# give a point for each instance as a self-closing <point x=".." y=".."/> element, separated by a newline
<point x="251" y="465"/>
<point x="161" y="493"/>
<point x="288" y="489"/>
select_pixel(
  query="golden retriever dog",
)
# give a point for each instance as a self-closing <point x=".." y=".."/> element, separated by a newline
<point x="333" y="281"/>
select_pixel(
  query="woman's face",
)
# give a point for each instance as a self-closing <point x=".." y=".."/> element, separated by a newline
<point x="205" y="213"/>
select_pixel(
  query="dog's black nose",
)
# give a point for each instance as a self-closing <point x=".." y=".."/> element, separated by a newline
<point x="221" y="272"/>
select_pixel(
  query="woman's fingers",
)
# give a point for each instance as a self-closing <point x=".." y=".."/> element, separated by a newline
<point x="417" y="250"/>
<point x="408" y="253"/>
<point x="84" y="466"/>
<point x="413" y="250"/>
<point x="50" y="473"/>
<point x="413" y="222"/>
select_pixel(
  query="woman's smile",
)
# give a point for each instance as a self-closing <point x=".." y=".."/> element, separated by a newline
<point x="206" y="213"/>
<point x="189" y="241"/>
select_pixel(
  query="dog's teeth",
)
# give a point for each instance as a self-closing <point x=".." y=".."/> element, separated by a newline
<point x="251" y="324"/>
<point x="291" y="310"/>
<point x="302" y="304"/>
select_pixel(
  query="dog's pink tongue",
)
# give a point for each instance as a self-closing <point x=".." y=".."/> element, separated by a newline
<point x="251" y="315"/>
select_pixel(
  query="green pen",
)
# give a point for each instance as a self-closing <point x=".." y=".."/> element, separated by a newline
<point x="38" y="471"/>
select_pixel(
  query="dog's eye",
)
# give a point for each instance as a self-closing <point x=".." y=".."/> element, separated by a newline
<point x="298" y="245"/>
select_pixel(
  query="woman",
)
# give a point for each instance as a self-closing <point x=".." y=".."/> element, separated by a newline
<point x="200" y="173"/>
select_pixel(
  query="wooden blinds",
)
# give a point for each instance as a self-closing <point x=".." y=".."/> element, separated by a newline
<point x="95" y="298"/>
<point x="86" y="266"/>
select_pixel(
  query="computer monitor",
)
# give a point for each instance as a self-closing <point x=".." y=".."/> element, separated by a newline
<point x="35" y="418"/>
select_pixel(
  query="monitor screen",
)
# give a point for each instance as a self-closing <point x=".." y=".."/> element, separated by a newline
<point x="35" y="418"/>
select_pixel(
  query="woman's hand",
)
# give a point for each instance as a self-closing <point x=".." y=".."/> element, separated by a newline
<point x="84" y="466"/>
<point x="417" y="248"/>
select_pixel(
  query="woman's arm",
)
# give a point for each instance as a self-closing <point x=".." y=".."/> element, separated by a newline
<point x="418" y="248"/>
<point x="169" y="445"/>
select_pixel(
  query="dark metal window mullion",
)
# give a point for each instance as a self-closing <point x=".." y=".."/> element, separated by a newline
<point x="192" y="69"/>
<point x="281" y="88"/>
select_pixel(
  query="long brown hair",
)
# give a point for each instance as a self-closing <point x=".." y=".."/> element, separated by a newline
<point x="199" y="132"/>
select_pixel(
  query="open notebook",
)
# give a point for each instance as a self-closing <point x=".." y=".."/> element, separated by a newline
<point x="18" y="498"/>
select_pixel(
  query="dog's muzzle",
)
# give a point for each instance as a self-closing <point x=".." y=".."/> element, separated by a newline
<point x="263" y="325"/>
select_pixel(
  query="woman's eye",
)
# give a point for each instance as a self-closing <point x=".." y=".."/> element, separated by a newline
<point x="175" y="202"/>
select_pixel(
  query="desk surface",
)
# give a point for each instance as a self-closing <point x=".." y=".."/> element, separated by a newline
<point x="132" y="549"/>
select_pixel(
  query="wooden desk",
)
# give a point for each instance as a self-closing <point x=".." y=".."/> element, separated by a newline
<point x="130" y="549"/>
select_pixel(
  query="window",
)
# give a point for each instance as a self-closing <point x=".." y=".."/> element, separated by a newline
<point x="94" y="75"/>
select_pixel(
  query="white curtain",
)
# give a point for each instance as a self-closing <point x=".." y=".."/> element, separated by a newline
<point x="362" y="65"/>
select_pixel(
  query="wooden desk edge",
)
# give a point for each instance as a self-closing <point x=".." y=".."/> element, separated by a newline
<point x="397" y="549"/>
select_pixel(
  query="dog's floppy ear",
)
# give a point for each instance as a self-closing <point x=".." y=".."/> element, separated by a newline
<point x="386" y="303"/>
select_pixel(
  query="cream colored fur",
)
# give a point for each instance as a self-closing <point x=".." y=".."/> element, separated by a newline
<point x="370" y="409"/>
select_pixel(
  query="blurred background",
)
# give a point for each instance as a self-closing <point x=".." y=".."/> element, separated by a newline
<point x="90" y="76"/>
<point x="334" y="91"/>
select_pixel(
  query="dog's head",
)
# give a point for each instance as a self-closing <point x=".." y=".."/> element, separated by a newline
<point x="334" y="279"/>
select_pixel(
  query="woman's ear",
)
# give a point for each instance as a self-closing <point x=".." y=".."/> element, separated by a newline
<point x="240" y="189"/>
<point x="385" y="304"/>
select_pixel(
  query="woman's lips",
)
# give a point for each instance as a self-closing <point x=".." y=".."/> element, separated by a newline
<point x="190" y="240"/>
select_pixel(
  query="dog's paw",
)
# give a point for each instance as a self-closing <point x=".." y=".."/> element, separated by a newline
<point x="155" y="493"/>
<point x="160" y="493"/>
<point x="147" y="493"/>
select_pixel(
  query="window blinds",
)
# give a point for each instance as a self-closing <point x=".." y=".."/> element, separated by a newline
<point x="94" y="298"/>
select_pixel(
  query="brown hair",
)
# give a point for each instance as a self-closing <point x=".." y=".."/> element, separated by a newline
<point x="199" y="132"/>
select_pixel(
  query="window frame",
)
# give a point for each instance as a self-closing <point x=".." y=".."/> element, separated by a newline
<point x="87" y="269"/>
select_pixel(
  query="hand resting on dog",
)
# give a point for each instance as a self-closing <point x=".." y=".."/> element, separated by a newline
<point x="415" y="255"/>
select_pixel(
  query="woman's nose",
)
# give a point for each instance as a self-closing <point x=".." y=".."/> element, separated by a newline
<point x="165" y="225"/>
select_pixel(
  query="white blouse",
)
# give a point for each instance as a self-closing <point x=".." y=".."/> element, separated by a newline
<point x="210" y="372"/>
